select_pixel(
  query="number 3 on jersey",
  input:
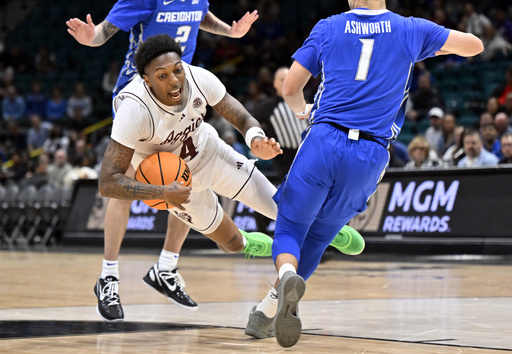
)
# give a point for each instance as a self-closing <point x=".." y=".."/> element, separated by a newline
<point x="364" y="59"/>
<point x="182" y="35"/>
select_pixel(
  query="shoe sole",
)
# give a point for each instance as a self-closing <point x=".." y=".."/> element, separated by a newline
<point x="353" y="234"/>
<point x="106" y="319"/>
<point x="287" y="325"/>
<point x="170" y="298"/>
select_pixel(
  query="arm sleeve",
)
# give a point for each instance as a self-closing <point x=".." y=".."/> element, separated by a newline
<point x="309" y="54"/>
<point x="424" y="38"/>
<point x="131" y="124"/>
<point x="127" y="13"/>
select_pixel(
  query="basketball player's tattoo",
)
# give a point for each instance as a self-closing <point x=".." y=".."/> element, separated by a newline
<point x="235" y="113"/>
<point x="113" y="181"/>
<point x="210" y="25"/>
<point x="106" y="31"/>
<point x="235" y="237"/>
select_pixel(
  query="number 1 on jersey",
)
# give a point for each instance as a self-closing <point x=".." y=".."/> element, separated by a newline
<point x="364" y="59"/>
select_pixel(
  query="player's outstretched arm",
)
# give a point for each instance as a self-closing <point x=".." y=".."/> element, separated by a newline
<point x="213" y="24"/>
<point x="89" y="34"/>
<point x="114" y="183"/>
<point x="236" y="114"/>
<point x="463" y="44"/>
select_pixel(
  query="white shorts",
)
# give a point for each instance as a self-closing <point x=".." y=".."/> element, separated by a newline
<point x="224" y="171"/>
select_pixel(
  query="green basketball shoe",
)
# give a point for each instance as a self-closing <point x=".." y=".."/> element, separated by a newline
<point x="258" y="244"/>
<point x="348" y="241"/>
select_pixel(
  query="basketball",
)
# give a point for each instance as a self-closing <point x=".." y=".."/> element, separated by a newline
<point x="162" y="168"/>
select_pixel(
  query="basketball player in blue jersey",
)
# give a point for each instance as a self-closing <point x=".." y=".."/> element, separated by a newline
<point x="182" y="21"/>
<point x="365" y="58"/>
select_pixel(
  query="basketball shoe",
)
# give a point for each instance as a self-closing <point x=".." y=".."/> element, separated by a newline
<point x="109" y="304"/>
<point x="258" y="244"/>
<point x="171" y="285"/>
<point x="348" y="241"/>
<point x="287" y="323"/>
<point x="259" y="325"/>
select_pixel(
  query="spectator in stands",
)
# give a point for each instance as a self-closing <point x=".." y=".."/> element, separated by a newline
<point x="502" y="91"/>
<point x="472" y="21"/>
<point x="502" y="23"/>
<point x="501" y="121"/>
<point x="56" y="140"/>
<point x="20" y="165"/>
<point x="56" y="106"/>
<point x="37" y="176"/>
<point x="476" y="155"/>
<point x="254" y="96"/>
<point x="16" y="138"/>
<point x="485" y="118"/>
<point x="494" y="44"/>
<point x="81" y="170"/>
<point x="492" y="106"/>
<point x="490" y="139"/>
<point x="13" y="105"/>
<point x="78" y="121"/>
<point x="81" y="100"/>
<point x="45" y="60"/>
<point x="448" y="126"/>
<point x="58" y="169"/>
<point x="35" y="101"/>
<point x="455" y="153"/>
<point x="424" y="99"/>
<point x="507" y="107"/>
<point x="506" y="148"/>
<point x="434" y="133"/>
<point x="419" y="155"/>
<point x="38" y="132"/>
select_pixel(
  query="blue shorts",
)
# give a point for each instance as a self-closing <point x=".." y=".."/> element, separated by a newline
<point x="329" y="182"/>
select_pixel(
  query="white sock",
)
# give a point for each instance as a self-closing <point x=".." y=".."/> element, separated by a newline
<point x="110" y="268"/>
<point x="168" y="260"/>
<point x="269" y="304"/>
<point x="287" y="267"/>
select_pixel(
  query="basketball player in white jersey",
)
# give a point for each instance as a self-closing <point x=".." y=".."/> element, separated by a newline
<point x="163" y="110"/>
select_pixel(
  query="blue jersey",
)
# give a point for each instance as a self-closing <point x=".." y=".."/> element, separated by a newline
<point x="353" y="52"/>
<point x="145" y="18"/>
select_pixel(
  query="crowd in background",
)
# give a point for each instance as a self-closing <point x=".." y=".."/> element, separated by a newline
<point x="46" y="134"/>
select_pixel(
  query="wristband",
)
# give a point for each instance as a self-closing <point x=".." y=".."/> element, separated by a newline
<point x="303" y="113"/>
<point x="251" y="133"/>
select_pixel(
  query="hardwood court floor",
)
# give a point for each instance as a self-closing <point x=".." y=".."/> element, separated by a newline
<point x="358" y="305"/>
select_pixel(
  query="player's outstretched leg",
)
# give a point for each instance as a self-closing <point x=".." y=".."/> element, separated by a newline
<point x="348" y="241"/>
<point x="171" y="285"/>
<point x="259" y="325"/>
<point x="258" y="244"/>
<point x="109" y="304"/>
<point x="287" y="324"/>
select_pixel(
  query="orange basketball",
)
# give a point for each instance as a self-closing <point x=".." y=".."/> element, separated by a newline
<point x="162" y="168"/>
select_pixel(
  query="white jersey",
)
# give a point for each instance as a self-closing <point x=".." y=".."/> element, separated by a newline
<point x="146" y="125"/>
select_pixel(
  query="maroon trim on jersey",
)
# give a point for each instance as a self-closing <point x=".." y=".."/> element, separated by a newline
<point x="236" y="195"/>
<point x="193" y="79"/>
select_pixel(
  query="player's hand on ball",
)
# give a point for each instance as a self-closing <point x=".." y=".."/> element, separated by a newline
<point x="176" y="194"/>
<point x="265" y="148"/>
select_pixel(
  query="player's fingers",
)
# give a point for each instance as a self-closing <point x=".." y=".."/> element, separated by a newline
<point x="89" y="20"/>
